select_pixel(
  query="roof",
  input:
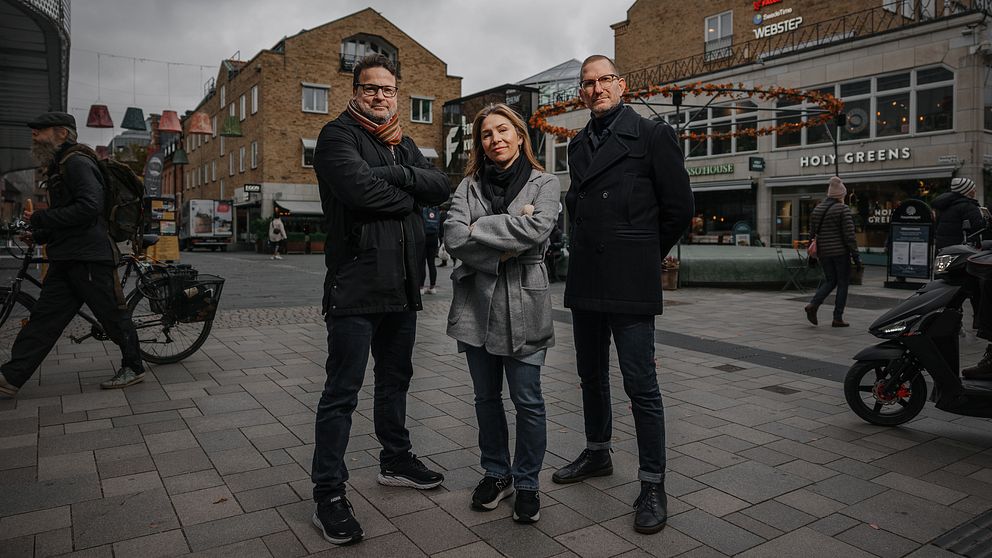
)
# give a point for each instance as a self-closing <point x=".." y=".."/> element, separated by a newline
<point x="566" y="71"/>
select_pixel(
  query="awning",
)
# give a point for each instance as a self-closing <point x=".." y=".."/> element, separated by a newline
<point x="943" y="171"/>
<point x="429" y="152"/>
<point x="300" y="207"/>
<point x="309" y="143"/>
<point x="722" y="185"/>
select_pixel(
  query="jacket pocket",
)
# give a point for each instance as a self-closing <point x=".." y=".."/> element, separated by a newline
<point x="534" y="277"/>
<point x="538" y="323"/>
<point x="462" y="289"/>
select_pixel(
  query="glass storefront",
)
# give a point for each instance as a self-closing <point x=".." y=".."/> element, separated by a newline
<point x="716" y="213"/>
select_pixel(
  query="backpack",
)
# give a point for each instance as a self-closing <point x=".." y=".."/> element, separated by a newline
<point x="432" y="220"/>
<point x="123" y="194"/>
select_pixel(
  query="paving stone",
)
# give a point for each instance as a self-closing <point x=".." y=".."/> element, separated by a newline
<point x="188" y="482"/>
<point x="237" y="460"/>
<point x="922" y="489"/>
<point x="34" y="522"/>
<point x="807" y="470"/>
<point x="227" y="421"/>
<point x="833" y="524"/>
<point x="779" y="515"/>
<point x="751" y="524"/>
<point x="109" y="520"/>
<point x="86" y="441"/>
<point x="714" y="502"/>
<point x="806" y="543"/>
<point x="20" y="547"/>
<point x="234" y="529"/>
<point x="664" y="544"/>
<point x="182" y="461"/>
<point x="752" y="482"/>
<point x="877" y="541"/>
<point x="131" y="484"/>
<point x="284" y="545"/>
<point x="220" y="404"/>
<point x="594" y="542"/>
<point x="253" y="548"/>
<point x="205" y="505"/>
<point x="810" y="502"/>
<point x="592" y="503"/>
<point x="265" y="477"/>
<point x="267" y="497"/>
<point x="66" y="465"/>
<point x="477" y="549"/>
<point x="846" y="489"/>
<point x="53" y="543"/>
<point x="219" y="440"/>
<point x="170" y="441"/>
<point x="170" y="543"/>
<point x="163" y="426"/>
<point x="30" y="496"/>
<point x="93" y="400"/>
<point x="715" y="532"/>
<point x="456" y="504"/>
<point x="433" y="530"/>
<point x="908" y="516"/>
<point x="146" y="418"/>
<point x="15" y="458"/>
<point x="515" y="540"/>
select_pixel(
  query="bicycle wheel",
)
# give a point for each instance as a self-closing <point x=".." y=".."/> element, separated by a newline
<point x="161" y="339"/>
<point x="14" y="314"/>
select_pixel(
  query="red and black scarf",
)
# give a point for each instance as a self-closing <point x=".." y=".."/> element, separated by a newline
<point x="389" y="133"/>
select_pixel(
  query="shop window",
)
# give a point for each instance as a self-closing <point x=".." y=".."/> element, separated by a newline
<point x="789" y="115"/>
<point x="892" y="115"/>
<point x="897" y="81"/>
<point x="935" y="109"/>
<point x="420" y="110"/>
<point x="855" y="88"/>
<point x="315" y="98"/>
<point x="719" y="36"/>
<point x="721" y="146"/>
<point x="561" y="155"/>
<point x="744" y="142"/>
<point x="696" y="148"/>
<point x="933" y="75"/>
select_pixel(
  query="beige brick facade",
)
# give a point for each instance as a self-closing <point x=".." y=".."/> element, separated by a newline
<point x="280" y="124"/>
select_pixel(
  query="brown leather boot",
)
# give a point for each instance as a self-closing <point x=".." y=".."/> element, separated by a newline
<point x="811" y="313"/>
<point x="839" y="323"/>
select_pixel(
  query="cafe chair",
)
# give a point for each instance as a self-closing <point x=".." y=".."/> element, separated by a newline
<point x="795" y="270"/>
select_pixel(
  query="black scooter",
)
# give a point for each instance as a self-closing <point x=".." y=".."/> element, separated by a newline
<point x="886" y="385"/>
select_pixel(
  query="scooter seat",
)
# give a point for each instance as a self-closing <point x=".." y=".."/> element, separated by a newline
<point x="984" y="386"/>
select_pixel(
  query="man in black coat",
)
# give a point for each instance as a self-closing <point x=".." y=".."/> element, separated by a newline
<point x="953" y="209"/>
<point x="373" y="181"/>
<point x="83" y="258"/>
<point x="629" y="203"/>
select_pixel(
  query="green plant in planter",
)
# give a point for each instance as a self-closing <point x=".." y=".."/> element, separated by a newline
<point x="260" y="228"/>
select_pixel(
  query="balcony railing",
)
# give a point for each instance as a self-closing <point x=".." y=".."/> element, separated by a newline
<point x="892" y="16"/>
<point x="719" y="48"/>
<point x="348" y="63"/>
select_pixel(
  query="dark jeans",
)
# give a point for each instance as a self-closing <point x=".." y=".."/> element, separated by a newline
<point x="68" y="285"/>
<point x="431" y="246"/>
<point x="524" y="381"/>
<point x="634" y="336"/>
<point x="837" y="271"/>
<point x="391" y="337"/>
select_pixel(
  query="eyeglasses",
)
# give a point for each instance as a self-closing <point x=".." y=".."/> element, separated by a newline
<point x="604" y="82"/>
<point x="370" y="90"/>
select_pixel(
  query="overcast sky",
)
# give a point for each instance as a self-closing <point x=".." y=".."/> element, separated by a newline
<point x="487" y="42"/>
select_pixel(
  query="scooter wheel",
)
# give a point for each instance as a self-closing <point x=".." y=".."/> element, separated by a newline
<point x="863" y="391"/>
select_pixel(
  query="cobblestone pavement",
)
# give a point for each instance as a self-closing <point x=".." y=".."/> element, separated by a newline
<point x="211" y="456"/>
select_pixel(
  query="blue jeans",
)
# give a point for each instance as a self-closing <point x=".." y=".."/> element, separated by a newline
<point x="391" y="337"/>
<point x="837" y="271"/>
<point x="524" y="381"/>
<point x="634" y="336"/>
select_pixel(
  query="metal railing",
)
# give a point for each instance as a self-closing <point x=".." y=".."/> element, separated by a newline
<point x="892" y="16"/>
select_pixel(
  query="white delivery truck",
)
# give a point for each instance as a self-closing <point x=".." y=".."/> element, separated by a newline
<point x="206" y="224"/>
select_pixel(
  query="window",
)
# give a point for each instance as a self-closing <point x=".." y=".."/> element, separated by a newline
<point x="213" y="170"/>
<point x="230" y="165"/>
<point x="824" y="132"/>
<point x="420" y="110"/>
<point x="903" y="7"/>
<point x="223" y="96"/>
<point x="241" y="159"/>
<point x="206" y="175"/>
<point x="721" y="119"/>
<point x="892" y="110"/>
<point x="214" y="123"/>
<point x="244" y="107"/>
<point x="222" y="146"/>
<point x="230" y="110"/>
<point x="561" y="155"/>
<point x="315" y="98"/>
<point x="222" y="188"/>
<point x="792" y="114"/>
<point x="254" y="99"/>
<point x="747" y="119"/>
<point x="934" y="100"/>
<point x="254" y="154"/>
<point x="358" y="46"/>
<point x="719" y="36"/>
<point x="186" y="181"/>
<point x="309" y="145"/>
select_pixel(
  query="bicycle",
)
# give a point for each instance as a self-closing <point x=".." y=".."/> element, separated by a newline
<point x="172" y="306"/>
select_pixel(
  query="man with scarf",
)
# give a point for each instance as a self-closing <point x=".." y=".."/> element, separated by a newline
<point x="629" y="202"/>
<point x="373" y="181"/>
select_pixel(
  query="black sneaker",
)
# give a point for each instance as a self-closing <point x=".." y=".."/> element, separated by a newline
<point x="982" y="370"/>
<point x="527" y="506"/>
<point x="411" y="473"/>
<point x="336" y="521"/>
<point x="589" y="463"/>
<point x="651" y="508"/>
<point x="490" y="491"/>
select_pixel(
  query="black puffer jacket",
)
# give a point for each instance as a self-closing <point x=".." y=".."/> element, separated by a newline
<point x="73" y="226"/>
<point x="833" y="227"/>
<point x="371" y="199"/>
<point x="953" y="209"/>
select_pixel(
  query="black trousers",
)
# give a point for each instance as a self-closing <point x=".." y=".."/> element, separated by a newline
<point x="431" y="246"/>
<point x="68" y="285"/>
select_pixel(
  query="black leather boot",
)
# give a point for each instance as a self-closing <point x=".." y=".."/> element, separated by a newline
<point x="982" y="370"/>
<point x="651" y="508"/>
<point x="590" y="463"/>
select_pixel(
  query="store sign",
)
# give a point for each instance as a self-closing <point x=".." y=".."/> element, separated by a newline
<point x="756" y="164"/>
<point x="778" y="28"/>
<point x="855" y="157"/>
<point x="253" y="188"/>
<point x="758" y="19"/>
<point x="880" y="216"/>
<point x="726" y="168"/>
<point x="758" y="4"/>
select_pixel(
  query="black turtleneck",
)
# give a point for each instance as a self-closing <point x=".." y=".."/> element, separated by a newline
<point x="602" y="124"/>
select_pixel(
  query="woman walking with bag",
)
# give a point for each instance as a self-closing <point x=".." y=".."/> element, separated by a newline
<point x="498" y="226"/>
<point x="832" y="229"/>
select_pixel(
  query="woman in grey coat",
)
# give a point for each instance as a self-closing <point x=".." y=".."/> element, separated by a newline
<point x="498" y="226"/>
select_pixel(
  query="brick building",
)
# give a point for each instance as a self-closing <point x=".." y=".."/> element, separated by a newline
<point x="914" y="76"/>
<point x="283" y="96"/>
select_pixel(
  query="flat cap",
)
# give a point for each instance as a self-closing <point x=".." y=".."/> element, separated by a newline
<point x="50" y="119"/>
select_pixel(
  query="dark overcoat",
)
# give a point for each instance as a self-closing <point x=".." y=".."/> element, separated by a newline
<point x="629" y="203"/>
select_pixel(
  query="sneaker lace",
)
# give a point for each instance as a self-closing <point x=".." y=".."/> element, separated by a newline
<point x="417" y="464"/>
<point x="648" y="497"/>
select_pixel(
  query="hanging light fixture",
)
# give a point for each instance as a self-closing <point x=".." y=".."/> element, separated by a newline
<point x="231" y="128"/>
<point x="134" y="119"/>
<point x="179" y="157"/>
<point x="199" y="123"/>
<point x="170" y="122"/>
<point x="99" y="116"/>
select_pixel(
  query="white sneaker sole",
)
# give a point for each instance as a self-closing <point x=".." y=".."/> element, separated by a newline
<point x="531" y="520"/>
<point x="390" y="480"/>
<point x="490" y="506"/>
<point x="332" y="540"/>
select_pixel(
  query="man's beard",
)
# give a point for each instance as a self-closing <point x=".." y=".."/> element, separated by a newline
<point x="371" y="115"/>
<point x="43" y="152"/>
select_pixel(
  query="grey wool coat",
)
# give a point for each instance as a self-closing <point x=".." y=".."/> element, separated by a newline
<point x="502" y="306"/>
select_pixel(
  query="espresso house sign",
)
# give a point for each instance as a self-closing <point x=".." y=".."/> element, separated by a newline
<point x="706" y="170"/>
<point x="856" y="157"/>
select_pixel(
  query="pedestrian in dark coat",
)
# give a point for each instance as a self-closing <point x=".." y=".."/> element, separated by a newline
<point x="953" y="209"/>
<point x="629" y="203"/>
<point x="832" y="225"/>
<point x="372" y="180"/>
<point x="83" y="268"/>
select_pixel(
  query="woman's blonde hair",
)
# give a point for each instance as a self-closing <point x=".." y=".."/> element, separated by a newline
<point x="477" y="156"/>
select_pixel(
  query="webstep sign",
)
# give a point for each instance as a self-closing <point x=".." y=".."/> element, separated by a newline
<point x="778" y="28"/>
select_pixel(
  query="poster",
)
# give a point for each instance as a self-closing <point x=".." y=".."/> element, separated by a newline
<point x="900" y="253"/>
<point x="918" y="254"/>
<point x="201" y="214"/>
<point x="153" y="174"/>
<point x="223" y="218"/>
<point x="910" y="251"/>
<point x="167" y="227"/>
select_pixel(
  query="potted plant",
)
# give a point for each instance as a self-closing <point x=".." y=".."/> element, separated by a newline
<point x="670" y="273"/>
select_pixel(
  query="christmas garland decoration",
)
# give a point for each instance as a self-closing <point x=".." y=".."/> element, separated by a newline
<point x="828" y="103"/>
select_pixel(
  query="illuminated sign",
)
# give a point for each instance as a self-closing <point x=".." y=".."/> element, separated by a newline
<point x="853" y="157"/>
<point x="758" y="4"/>
<point x="777" y="28"/>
